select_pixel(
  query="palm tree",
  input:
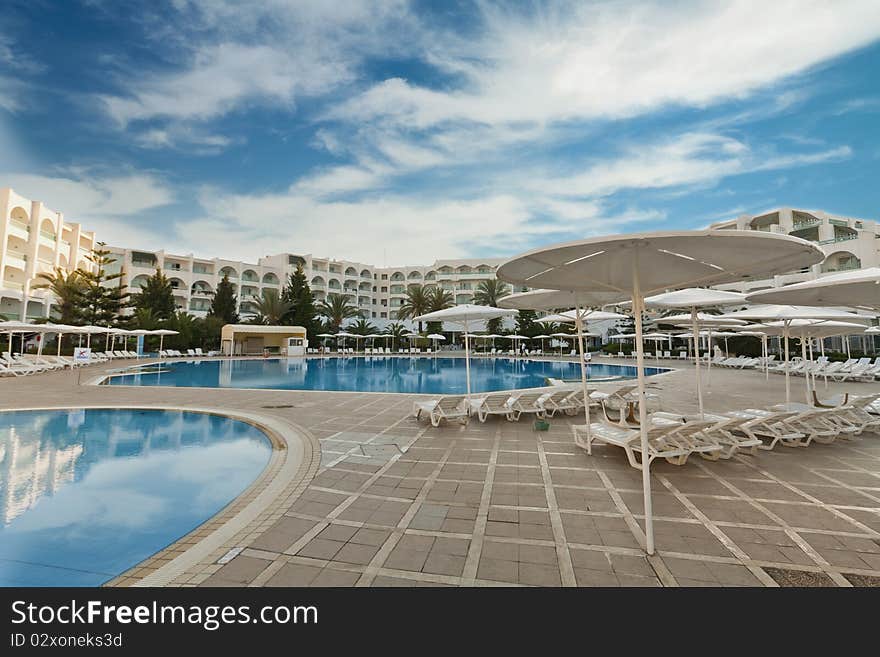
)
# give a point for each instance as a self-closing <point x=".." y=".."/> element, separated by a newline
<point x="271" y="308"/>
<point x="361" y="327"/>
<point x="488" y="294"/>
<point x="337" y="308"/>
<point x="417" y="302"/>
<point x="396" y="330"/>
<point x="439" y="299"/>
<point x="68" y="289"/>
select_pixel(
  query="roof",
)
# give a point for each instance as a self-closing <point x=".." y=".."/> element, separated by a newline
<point x="262" y="328"/>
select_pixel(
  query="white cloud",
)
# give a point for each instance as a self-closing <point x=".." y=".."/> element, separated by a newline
<point x="575" y="61"/>
<point x="242" y="55"/>
<point x="688" y="159"/>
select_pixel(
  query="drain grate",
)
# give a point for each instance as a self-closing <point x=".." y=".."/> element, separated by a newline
<point x="229" y="556"/>
<point x="799" y="578"/>
<point x="278" y="406"/>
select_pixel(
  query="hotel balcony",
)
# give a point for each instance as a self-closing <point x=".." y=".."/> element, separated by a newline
<point x="19" y="229"/>
<point x="48" y="239"/>
<point x="16" y="259"/>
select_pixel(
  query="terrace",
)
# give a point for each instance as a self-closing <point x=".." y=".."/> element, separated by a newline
<point x="380" y="499"/>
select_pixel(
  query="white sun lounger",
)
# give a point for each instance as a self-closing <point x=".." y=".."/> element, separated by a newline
<point x="661" y="443"/>
<point x="495" y="403"/>
<point x="448" y="407"/>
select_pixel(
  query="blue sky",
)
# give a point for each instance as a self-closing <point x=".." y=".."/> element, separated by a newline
<point x="399" y="132"/>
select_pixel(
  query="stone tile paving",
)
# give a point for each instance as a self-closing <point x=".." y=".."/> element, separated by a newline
<point x="395" y="502"/>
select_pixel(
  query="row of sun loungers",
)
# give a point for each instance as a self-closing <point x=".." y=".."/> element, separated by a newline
<point x="672" y="437"/>
<point x="676" y="437"/>
<point x="541" y="402"/>
<point x="681" y="355"/>
<point x="190" y="353"/>
<point x="27" y="364"/>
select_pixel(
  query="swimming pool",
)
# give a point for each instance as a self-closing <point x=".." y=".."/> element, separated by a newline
<point x="367" y="374"/>
<point x="87" y="494"/>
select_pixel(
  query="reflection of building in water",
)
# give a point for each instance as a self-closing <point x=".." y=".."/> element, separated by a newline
<point x="32" y="465"/>
<point x="29" y="469"/>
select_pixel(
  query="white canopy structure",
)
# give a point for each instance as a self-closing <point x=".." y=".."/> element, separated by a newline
<point x="693" y="298"/>
<point x="635" y="264"/>
<point x="465" y="315"/>
<point x="549" y="299"/>
<point x="766" y="313"/>
<point x="162" y="333"/>
<point x="855" y="289"/>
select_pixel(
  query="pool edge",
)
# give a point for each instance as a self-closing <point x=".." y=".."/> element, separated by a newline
<point x="190" y="559"/>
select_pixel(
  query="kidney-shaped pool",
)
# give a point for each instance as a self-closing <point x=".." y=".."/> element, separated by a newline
<point x="87" y="494"/>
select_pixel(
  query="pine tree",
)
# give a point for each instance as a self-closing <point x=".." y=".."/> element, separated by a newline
<point x="303" y="312"/>
<point x="156" y="295"/>
<point x="103" y="296"/>
<point x="224" y="303"/>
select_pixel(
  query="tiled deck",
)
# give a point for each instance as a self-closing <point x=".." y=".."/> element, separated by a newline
<point x="397" y="502"/>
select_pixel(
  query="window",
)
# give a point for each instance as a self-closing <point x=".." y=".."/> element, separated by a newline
<point x="384" y="277"/>
<point x="385" y="289"/>
<point x="383" y="315"/>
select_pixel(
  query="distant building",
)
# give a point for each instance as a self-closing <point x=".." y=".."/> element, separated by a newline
<point x="34" y="240"/>
<point x="848" y="243"/>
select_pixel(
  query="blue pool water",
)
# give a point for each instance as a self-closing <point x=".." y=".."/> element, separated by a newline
<point x="368" y="374"/>
<point x="87" y="494"/>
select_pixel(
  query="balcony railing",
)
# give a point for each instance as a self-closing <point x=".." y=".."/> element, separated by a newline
<point x="16" y="254"/>
<point x="805" y="223"/>
<point x="12" y="285"/>
<point x="20" y="225"/>
<point x="839" y="238"/>
<point x="49" y="236"/>
<point x="144" y="264"/>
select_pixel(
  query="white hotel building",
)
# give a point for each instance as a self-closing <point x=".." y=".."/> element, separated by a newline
<point x="848" y="243"/>
<point x="376" y="291"/>
<point x="35" y="239"/>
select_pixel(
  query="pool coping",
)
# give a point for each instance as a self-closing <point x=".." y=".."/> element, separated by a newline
<point x="195" y="556"/>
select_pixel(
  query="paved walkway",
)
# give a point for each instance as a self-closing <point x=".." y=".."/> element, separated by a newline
<point x="388" y="501"/>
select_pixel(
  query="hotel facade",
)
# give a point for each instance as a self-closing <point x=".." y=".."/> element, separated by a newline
<point x="36" y="239"/>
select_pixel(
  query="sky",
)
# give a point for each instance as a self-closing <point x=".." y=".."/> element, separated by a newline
<point x="399" y="132"/>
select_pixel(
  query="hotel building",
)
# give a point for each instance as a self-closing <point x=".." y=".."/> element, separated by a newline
<point x="848" y="243"/>
<point x="377" y="292"/>
<point x="35" y="239"/>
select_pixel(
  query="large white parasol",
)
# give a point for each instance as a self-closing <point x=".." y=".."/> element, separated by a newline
<point x="855" y="289"/>
<point x="632" y="265"/>
<point x="465" y="315"/>
<point x="785" y="314"/>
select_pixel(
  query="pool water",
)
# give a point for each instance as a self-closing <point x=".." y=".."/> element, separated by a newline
<point x="367" y="374"/>
<point x="87" y="494"/>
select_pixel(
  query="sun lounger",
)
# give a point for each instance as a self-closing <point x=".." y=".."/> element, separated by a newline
<point x="448" y="407"/>
<point x="769" y="427"/>
<point x="526" y="402"/>
<point x="494" y="403"/>
<point x="565" y="400"/>
<point x="730" y="433"/>
<point x="19" y="369"/>
<point x="661" y="442"/>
